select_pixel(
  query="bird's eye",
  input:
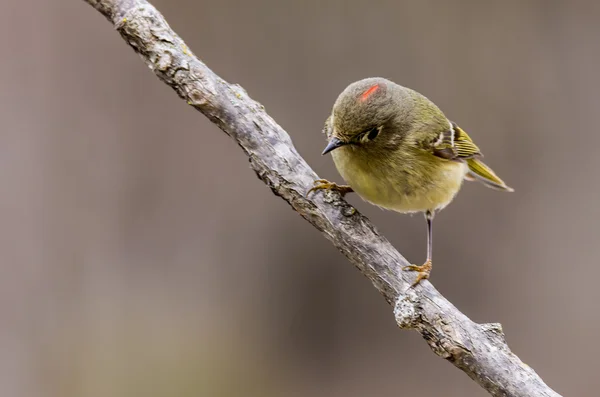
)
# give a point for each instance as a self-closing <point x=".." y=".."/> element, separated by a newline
<point x="372" y="134"/>
<point x="369" y="135"/>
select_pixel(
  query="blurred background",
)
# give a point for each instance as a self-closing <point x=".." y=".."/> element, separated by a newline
<point x="140" y="255"/>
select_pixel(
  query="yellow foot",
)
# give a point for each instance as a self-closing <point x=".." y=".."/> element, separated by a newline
<point x="423" y="270"/>
<point x="325" y="184"/>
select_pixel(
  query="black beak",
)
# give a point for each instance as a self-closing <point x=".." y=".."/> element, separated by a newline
<point x="334" y="143"/>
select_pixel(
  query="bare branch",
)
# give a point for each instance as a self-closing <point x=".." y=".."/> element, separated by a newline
<point x="478" y="349"/>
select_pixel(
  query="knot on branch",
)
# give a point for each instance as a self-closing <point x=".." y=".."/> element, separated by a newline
<point x="406" y="310"/>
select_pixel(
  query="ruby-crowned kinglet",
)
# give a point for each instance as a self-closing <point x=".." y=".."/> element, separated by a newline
<point x="396" y="149"/>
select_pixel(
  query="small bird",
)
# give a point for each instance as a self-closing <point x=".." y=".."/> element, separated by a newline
<point x="397" y="150"/>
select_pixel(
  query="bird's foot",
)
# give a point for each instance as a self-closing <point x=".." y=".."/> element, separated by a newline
<point x="321" y="184"/>
<point x="423" y="271"/>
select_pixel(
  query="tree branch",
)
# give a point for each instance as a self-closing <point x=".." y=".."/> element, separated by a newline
<point x="477" y="349"/>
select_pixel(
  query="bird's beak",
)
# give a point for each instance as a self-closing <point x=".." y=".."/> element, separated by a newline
<point x="334" y="143"/>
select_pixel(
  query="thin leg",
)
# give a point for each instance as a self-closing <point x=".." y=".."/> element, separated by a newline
<point x="429" y="218"/>
<point x="425" y="269"/>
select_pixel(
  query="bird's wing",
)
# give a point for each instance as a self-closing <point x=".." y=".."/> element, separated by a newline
<point x="456" y="145"/>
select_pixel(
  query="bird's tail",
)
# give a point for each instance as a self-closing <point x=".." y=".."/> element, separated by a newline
<point x="480" y="172"/>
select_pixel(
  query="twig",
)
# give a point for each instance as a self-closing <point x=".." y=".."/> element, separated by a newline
<point x="478" y="349"/>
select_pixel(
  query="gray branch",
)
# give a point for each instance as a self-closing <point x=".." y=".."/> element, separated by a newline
<point x="477" y="349"/>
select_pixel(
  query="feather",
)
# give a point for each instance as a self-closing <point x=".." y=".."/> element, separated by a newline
<point x="484" y="174"/>
<point x="456" y="145"/>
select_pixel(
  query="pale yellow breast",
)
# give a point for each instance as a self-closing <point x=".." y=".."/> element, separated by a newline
<point x="411" y="183"/>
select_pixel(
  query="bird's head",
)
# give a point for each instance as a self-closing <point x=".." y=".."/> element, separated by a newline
<point x="370" y="113"/>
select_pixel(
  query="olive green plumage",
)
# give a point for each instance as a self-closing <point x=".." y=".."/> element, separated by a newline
<point x="398" y="150"/>
<point x="417" y="159"/>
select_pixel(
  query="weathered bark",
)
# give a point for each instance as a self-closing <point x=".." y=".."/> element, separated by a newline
<point x="478" y="349"/>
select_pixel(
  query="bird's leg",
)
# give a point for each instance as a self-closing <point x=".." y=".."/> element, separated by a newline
<point x="325" y="184"/>
<point x="425" y="268"/>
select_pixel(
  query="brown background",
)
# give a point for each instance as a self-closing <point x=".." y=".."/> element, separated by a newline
<point x="140" y="256"/>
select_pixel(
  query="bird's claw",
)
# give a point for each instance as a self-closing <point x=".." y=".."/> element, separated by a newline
<point x="423" y="271"/>
<point x="324" y="184"/>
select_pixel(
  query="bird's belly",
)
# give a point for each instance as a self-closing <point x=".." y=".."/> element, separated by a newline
<point x="398" y="189"/>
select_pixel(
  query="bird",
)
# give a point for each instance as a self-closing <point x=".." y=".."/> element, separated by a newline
<point x="397" y="150"/>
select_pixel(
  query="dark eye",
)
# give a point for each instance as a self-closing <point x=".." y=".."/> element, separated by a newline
<point x="372" y="134"/>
